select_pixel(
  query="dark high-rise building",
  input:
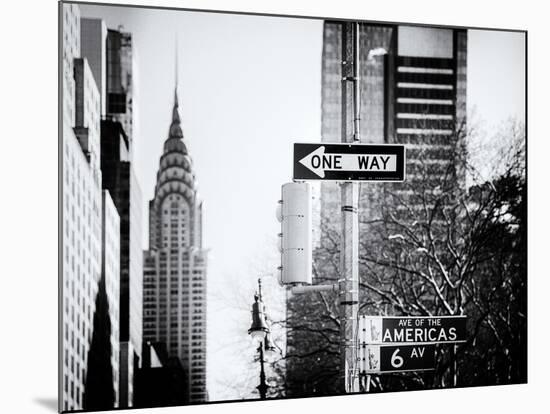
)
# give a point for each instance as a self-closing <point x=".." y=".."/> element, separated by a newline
<point x="413" y="92"/>
<point x="119" y="178"/>
<point x="174" y="305"/>
<point x="161" y="378"/>
<point x="120" y="86"/>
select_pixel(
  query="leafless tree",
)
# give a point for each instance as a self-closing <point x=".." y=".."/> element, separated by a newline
<point x="430" y="246"/>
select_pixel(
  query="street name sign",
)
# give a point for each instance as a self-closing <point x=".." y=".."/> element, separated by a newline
<point x="412" y="329"/>
<point x="377" y="359"/>
<point x="349" y="162"/>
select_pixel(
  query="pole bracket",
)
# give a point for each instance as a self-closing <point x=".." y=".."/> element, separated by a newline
<point x="350" y="78"/>
<point x="297" y="290"/>
<point x="349" y="209"/>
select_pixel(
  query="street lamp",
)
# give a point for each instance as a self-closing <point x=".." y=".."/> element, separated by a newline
<point x="259" y="331"/>
<point x="259" y="328"/>
<point x="269" y="347"/>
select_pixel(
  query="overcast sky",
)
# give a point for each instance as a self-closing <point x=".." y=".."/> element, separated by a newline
<point x="249" y="88"/>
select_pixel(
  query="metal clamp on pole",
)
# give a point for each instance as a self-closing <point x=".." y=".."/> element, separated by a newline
<point x="297" y="290"/>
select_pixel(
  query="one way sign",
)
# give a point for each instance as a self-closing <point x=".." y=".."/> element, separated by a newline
<point x="349" y="162"/>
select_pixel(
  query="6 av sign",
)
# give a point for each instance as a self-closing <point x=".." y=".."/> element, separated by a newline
<point x="396" y="358"/>
<point x="349" y="162"/>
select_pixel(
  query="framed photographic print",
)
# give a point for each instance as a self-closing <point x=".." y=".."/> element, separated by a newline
<point x="264" y="207"/>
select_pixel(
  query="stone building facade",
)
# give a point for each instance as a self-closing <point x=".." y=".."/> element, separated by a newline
<point x="81" y="264"/>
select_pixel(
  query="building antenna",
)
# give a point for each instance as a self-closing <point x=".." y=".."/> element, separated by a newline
<point x="177" y="66"/>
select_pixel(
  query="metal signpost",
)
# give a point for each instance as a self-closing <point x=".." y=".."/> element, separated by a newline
<point x="349" y="163"/>
<point x="348" y="283"/>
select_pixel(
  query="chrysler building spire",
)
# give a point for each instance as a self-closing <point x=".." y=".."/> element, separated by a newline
<point x="175" y="127"/>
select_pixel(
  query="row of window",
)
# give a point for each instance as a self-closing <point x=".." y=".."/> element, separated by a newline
<point x="75" y="392"/>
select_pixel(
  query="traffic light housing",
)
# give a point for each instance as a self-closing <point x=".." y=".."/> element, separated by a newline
<point x="295" y="241"/>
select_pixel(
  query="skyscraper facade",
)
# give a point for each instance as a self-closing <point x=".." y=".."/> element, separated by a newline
<point x="376" y="41"/>
<point x="427" y="110"/>
<point x="93" y="41"/>
<point x="110" y="272"/>
<point x="102" y="255"/>
<point x="82" y="213"/>
<point x="120" y="80"/>
<point x="176" y="264"/>
<point x="412" y="92"/>
<point x="120" y="179"/>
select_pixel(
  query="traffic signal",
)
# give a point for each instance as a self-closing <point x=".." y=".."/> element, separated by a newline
<point x="295" y="239"/>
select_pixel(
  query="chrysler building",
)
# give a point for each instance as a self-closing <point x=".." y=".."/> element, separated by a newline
<point x="174" y="294"/>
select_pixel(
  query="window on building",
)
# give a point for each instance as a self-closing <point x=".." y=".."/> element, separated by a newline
<point x="116" y="103"/>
